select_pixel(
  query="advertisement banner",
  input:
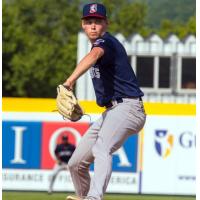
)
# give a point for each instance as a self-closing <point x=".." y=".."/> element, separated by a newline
<point x="28" y="157"/>
<point x="160" y="160"/>
<point x="21" y="144"/>
<point x="169" y="155"/>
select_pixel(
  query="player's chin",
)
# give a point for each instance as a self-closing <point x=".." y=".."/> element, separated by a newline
<point x="93" y="36"/>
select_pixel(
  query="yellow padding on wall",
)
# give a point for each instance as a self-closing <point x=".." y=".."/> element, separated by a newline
<point x="28" y="105"/>
<point x="170" y="109"/>
<point x="48" y="105"/>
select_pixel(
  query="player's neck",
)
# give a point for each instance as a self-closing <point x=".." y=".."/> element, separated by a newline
<point x="93" y="40"/>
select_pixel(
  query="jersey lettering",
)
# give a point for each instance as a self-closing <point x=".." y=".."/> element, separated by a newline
<point x="94" y="72"/>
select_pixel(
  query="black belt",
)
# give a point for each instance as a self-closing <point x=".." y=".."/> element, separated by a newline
<point x="110" y="104"/>
<point x="120" y="100"/>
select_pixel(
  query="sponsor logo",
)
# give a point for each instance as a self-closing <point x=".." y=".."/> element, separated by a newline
<point x="164" y="142"/>
<point x="93" y="8"/>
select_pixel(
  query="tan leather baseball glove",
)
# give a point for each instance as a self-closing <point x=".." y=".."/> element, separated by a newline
<point x="67" y="104"/>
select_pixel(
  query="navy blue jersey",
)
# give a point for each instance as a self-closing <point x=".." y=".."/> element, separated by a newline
<point x="64" y="152"/>
<point x="112" y="75"/>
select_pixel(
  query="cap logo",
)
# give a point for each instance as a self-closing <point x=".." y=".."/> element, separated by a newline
<point x="93" y="8"/>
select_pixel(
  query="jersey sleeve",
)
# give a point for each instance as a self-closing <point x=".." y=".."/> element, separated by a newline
<point x="100" y="43"/>
<point x="106" y="45"/>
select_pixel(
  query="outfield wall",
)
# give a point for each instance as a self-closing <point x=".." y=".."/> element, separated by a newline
<point x="158" y="160"/>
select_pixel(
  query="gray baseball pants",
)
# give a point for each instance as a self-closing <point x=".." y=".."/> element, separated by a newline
<point x="57" y="168"/>
<point x="98" y="144"/>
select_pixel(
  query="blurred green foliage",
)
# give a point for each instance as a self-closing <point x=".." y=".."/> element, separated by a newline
<point x="178" y="11"/>
<point x="39" y="45"/>
<point x="40" y="38"/>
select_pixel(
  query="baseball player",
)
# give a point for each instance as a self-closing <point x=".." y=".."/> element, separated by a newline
<point x="63" y="153"/>
<point x="117" y="90"/>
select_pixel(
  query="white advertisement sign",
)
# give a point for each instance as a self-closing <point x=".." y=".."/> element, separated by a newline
<point x="169" y="155"/>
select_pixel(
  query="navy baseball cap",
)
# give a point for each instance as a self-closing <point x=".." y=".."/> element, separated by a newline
<point x="94" y="10"/>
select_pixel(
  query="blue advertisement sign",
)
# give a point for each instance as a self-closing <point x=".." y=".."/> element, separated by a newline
<point x="21" y="144"/>
<point x="22" y="148"/>
<point x="125" y="159"/>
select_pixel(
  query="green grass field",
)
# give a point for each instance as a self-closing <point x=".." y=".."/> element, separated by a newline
<point x="61" y="196"/>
